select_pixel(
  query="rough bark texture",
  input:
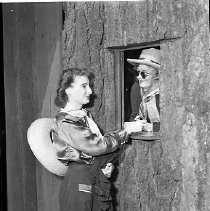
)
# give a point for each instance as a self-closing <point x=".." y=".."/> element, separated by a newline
<point x="173" y="172"/>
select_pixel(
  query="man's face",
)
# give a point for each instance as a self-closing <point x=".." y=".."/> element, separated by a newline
<point x="147" y="76"/>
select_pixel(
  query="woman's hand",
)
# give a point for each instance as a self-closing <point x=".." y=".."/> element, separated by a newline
<point x="108" y="170"/>
<point x="134" y="127"/>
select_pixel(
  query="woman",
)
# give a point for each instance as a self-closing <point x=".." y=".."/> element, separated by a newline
<point x="78" y="142"/>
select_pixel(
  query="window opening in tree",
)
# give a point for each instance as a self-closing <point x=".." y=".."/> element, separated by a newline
<point x="132" y="96"/>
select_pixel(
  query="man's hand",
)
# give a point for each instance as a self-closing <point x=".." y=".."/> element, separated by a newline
<point x="147" y="127"/>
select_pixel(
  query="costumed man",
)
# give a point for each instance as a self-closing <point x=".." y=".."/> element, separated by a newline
<point x="148" y="66"/>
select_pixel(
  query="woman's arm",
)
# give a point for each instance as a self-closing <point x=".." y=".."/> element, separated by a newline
<point x="79" y="136"/>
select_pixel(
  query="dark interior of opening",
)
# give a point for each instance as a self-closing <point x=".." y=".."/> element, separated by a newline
<point x="132" y="96"/>
<point x="2" y="127"/>
<point x="63" y="14"/>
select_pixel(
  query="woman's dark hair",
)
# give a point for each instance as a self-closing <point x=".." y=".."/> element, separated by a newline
<point x="66" y="79"/>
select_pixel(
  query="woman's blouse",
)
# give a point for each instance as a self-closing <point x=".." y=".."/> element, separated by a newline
<point x="77" y="138"/>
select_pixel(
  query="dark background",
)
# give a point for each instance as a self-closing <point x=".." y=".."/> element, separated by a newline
<point x="2" y="127"/>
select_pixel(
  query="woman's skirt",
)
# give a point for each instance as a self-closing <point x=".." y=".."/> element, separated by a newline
<point x="83" y="189"/>
<point x="76" y="188"/>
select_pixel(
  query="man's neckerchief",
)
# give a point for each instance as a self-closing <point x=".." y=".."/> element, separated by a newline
<point x="148" y="108"/>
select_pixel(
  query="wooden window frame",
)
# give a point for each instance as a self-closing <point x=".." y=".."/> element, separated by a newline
<point x="119" y="78"/>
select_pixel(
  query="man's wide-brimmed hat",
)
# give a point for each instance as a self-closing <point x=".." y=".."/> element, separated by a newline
<point x="41" y="145"/>
<point x="150" y="57"/>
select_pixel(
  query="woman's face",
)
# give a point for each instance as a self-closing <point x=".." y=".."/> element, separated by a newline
<point x="79" y="92"/>
<point x="147" y="76"/>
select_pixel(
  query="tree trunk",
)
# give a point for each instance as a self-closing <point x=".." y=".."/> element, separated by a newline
<point x="171" y="173"/>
